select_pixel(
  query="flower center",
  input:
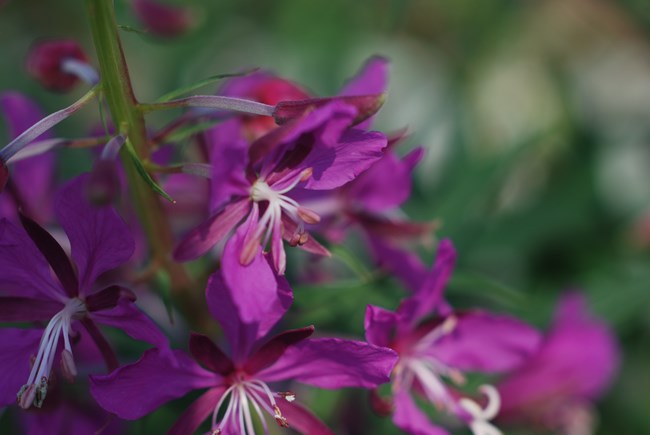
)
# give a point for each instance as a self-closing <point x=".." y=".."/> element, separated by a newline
<point x="35" y="390"/>
<point x="277" y="204"/>
<point x="245" y="394"/>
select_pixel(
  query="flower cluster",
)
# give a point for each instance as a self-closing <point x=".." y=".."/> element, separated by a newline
<point x="271" y="167"/>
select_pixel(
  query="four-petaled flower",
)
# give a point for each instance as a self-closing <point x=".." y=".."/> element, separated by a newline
<point x="435" y="343"/>
<point x="66" y="298"/>
<point x="247" y="301"/>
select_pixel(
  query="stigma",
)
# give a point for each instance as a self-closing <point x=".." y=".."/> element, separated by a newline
<point x="244" y="396"/>
<point x="35" y="390"/>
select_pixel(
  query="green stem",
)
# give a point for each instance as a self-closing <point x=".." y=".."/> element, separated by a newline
<point x="127" y="118"/>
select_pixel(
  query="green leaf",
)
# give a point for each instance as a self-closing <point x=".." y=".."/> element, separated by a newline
<point x="145" y="175"/>
<point x="132" y="29"/>
<point x="187" y="89"/>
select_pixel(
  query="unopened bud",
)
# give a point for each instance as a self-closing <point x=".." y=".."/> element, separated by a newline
<point x="163" y="19"/>
<point x="380" y="405"/>
<point x="366" y="105"/>
<point x="46" y="63"/>
<point x="68" y="367"/>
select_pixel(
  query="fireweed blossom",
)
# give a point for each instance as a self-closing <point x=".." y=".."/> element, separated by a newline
<point x="319" y="150"/>
<point x="247" y="301"/>
<point x="556" y="388"/>
<point x="435" y="344"/>
<point x="66" y="299"/>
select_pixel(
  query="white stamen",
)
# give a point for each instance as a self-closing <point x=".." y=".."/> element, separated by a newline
<point x="242" y="395"/>
<point x="60" y="324"/>
<point x="480" y="424"/>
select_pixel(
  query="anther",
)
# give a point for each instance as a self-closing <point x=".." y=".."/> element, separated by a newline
<point x="289" y="396"/>
<point x="279" y="418"/>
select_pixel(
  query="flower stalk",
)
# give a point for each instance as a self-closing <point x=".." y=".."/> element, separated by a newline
<point x="128" y="118"/>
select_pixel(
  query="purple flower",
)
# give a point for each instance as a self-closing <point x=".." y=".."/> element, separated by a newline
<point x="435" y="343"/>
<point x="247" y="301"/>
<point x="574" y="366"/>
<point x="318" y="151"/>
<point x="66" y="299"/>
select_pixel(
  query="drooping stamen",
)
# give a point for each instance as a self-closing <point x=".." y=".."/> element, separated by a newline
<point x="35" y="390"/>
<point x="242" y="396"/>
<point x="479" y="424"/>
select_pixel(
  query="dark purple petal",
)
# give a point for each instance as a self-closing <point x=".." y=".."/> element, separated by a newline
<point x="197" y="412"/>
<point x="4" y="176"/>
<point x="108" y="298"/>
<point x="25" y="272"/>
<point x="247" y="300"/>
<point x="404" y="265"/>
<point x="135" y="390"/>
<point x="163" y="19"/>
<point x="380" y="325"/>
<point x="17" y="346"/>
<point x="210" y="232"/>
<point x="428" y="297"/>
<point x="228" y="158"/>
<point x="64" y="416"/>
<point x="302" y="420"/>
<point x="210" y="355"/>
<point x="101" y="344"/>
<point x="333" y="363"/>
<point x="17" y="309"/>
<point x="488" y="343"/>
<point x="385" y="185"/>
<point x="408" y="417"/>
<point x="99" y="238"/>
<point x="365" y="105"/>
<point x="127" y="317"/>
<point x="273" y="349"/>
<point x="54" y="254"/>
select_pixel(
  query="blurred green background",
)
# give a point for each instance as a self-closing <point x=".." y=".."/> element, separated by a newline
<point x="536" y="120"/>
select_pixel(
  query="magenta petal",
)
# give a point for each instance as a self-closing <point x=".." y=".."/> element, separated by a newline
<point x="258" y="298"/>
<point x="408" y="417"/>
<point x="380" y="325"/>
<point x="24" y="270"/>
<point x="337" y="163"/>
<point x="197" y="413"/>
<point x="67" y="417"/>
<point x="210" y="232"/>
<point x="429" y="296"/>
<point x="16" y="309"/>
<point x="210" y="355"/>
<point x="333" y="363"/>
<point x="228" y="157"/>
<point x="371" y="79"/>
<point x="127" y="317"/>
<point x="302" y="420"/>
<point x="487" y="343"/>
<point x="137" y="389"/>
<point x="17" y="346"/>
<point x="273" y="349"/>
<point x="99" y="238"/>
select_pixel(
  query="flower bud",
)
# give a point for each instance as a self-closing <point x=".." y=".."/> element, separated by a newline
<point x="380" y="405"/>
<point x="46" y="62"/>
<point x="163" y="19"/>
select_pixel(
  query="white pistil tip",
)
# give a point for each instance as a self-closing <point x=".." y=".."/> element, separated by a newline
<point x="480" y="424"/>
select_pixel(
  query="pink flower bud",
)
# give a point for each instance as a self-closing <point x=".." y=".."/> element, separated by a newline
<point x="46" y="63"/>
<point x="163" y="19"/>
